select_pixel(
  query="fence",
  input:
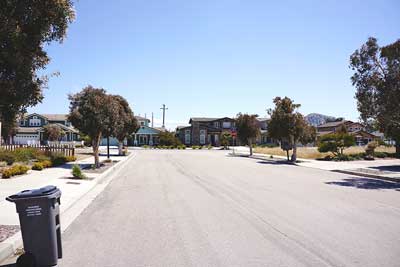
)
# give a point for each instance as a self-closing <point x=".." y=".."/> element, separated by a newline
<point x="54" y="149"/>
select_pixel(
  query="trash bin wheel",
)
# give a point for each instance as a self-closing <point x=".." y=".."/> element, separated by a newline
<point x="26" y="260"/>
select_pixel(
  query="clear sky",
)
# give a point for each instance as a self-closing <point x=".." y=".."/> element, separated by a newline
<point x="215" y="58"/>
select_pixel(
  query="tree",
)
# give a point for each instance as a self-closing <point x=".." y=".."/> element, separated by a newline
<point x="53" y="132"/>
<point x="168" y="139"/>
<point x="377" y="81"/>
<point x="336" y="143"/>
<point x="90" y="114"/>
<point x="289" y="126"/>
<point x="247" y="129"/>
<point x="126" y="123"/>
<point x="226" y="138"/>
<point x="26" y="27"/>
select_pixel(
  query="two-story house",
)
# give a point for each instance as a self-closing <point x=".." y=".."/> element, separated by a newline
<point x="356" y="129"/>
<point x="30" y="128"/>
<point x="206" y="131"/>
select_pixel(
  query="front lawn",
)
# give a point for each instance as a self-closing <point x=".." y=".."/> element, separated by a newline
<point x="313" y="153"/>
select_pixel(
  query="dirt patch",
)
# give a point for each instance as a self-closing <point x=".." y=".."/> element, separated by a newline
<point x="103" y="167"/>
<point x="7" y="231"/>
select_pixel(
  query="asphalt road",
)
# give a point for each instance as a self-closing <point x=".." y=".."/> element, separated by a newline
<point x="203" y="208"/>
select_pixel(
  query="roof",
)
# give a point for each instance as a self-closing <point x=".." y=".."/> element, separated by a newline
<point x="263" y="119"/>
<point x="334" y="123"/>
<point x="28" y="129"/>
<point x="55" y="117"/>
<point x="50" y="117"/>
<point x="161" y="129"/>
<point x="182" y="127"/>
<point x="205" y="119"/>
<point x="140" y="118"/>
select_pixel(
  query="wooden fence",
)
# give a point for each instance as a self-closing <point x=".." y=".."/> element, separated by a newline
<point x="54" y="149"/>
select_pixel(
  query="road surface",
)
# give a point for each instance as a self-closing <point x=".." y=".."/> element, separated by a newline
<point x="204" y="208"/>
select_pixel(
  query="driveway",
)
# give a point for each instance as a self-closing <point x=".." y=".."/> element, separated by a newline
<point x="204" y="208"/>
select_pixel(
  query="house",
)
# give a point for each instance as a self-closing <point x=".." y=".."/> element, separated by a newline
<point x="146" y="135"/>
<point x="30" y="128"/>
<point x="356" y="129"/>
<point x="263" y="138"/>
<point x="206" y="131"/>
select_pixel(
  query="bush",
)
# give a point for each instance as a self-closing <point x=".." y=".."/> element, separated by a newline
<point x="77" y="172"/>
<point x="46" y="163"/>
<point x="26" y="154"/>
<point x="58" y="160"/>
<point x="381" y="155"/>
<point x="146" y="146"/>
<point x="7" y="156"/>
<point x="15" y="170"/>
<point x="37" y="166"/>
<point x="70" y="158"/>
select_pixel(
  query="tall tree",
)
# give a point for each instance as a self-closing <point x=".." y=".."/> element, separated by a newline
<point x="289" y="126"/>
<point x="377" y="80"/>
<point x="26" y="27"/>
<point x="126" y="123"/>
<point x="90" y="114"/>
<point x="247" y="129"/>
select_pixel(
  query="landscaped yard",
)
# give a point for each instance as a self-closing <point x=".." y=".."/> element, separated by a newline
<point x="312" y="152"/>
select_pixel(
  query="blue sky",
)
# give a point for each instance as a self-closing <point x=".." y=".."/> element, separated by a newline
<point x="217" y="57"/>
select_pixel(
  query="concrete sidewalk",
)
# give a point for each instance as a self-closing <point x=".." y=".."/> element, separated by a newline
<point x="387" y="169"/>
<point x="72" y="192"/>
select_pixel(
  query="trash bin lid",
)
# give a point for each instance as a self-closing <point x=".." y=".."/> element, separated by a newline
<point x="41" y="192"/>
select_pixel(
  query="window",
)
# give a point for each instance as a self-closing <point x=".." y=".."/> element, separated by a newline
<point x="142" y="123"/>
<point x="34" y="121"/>
<point x="187" y="137"/>
<point x="226" y="125"/>
<point x="216" y="124"/>
<point x="202" y="137"/>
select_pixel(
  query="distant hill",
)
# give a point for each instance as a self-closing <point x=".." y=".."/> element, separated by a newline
<point x="316" y="119"/>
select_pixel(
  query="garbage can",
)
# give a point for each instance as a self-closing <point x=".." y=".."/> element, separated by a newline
<point x="39" y="216"/>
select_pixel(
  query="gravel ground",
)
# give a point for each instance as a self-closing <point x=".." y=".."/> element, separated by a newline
<point x="7" y="230"/>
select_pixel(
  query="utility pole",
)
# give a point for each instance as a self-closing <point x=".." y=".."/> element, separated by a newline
<point x="164" y="108"/>
<point x="152" y="120"/>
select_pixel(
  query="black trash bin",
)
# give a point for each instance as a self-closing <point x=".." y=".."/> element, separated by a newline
<point x="39" y="216"/>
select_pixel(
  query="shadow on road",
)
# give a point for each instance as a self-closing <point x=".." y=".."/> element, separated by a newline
<point x="276" y="162"/>
<point x="366" y="183"/>
<point x="9" y="265"/>
<point x="390" y="168"/>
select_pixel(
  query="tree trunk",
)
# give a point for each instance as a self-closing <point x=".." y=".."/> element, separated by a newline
<point x="120" y="148"/>
<point x="397" y="148"/>
<point x="251" y="147"/>
<point x="294" y="154"/>
<point x="287" y="155"/>
<point x="95" y="145"/>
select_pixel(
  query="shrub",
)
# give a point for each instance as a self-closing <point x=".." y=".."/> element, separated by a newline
<point x="146" y="146"/>
<point x="58" y="160"/>
<point x="77" y="172"/>
<point x="15" y="170"/>
<point x="26" y="154"/>
<point x="70" y="158"/>
<point x="37" y="166"/>
<point x="46" y="163"/>
<point x="381" y="155"/>
<point x="7" y="156"/>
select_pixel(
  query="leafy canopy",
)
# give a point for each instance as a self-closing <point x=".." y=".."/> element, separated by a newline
<point x="26" y="26"/>
<point x="377" y="80"/>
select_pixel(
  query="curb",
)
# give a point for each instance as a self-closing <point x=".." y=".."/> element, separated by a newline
<point x="385" y="178"/>
<point x="9" y="246"/>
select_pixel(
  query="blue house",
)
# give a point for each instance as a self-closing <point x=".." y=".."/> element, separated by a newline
<point x="146" y="135"/>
